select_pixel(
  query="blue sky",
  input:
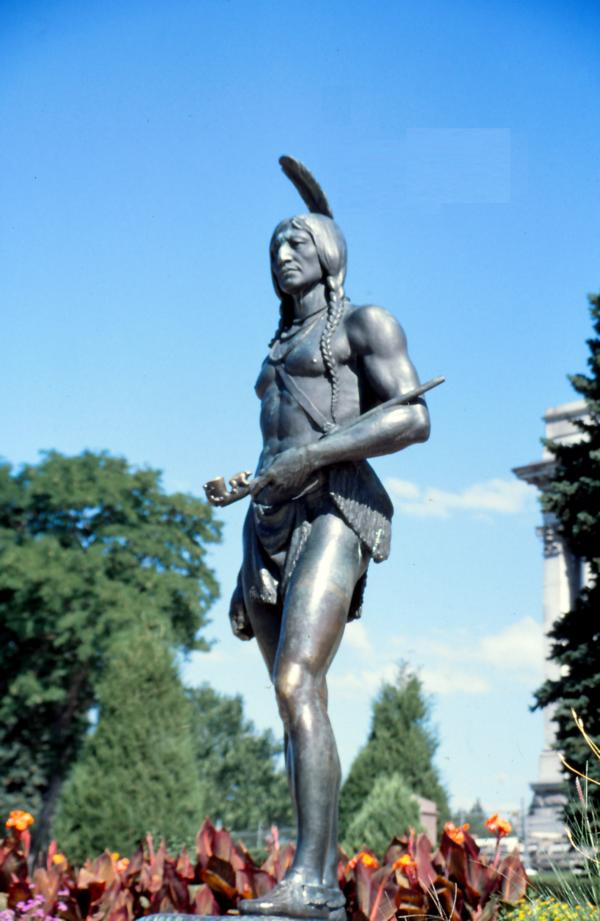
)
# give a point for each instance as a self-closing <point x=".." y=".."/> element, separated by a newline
<point x="458" y="145"/>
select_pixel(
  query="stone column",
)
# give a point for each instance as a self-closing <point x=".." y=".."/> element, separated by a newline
<point x="546" y="842"/>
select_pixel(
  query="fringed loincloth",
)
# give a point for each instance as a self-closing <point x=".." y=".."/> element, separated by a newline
<point x="275" y="536"/>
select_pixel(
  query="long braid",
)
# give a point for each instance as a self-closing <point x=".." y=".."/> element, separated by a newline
<point x="278" y="331"/>
<point x="335" y="309"/>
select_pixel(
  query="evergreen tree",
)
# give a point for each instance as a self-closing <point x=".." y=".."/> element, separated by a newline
<point x="400" y="741"/>
<point x="87" y="546"/>
<point x="137" y="772"/>
<point x="245" y="787"/>
<point x="475" y="817"/>
<point x="389" y="810"/>
<point x="573" y="496"/>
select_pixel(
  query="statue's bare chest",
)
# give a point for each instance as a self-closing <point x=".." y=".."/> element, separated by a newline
<point x="300" y="353"/>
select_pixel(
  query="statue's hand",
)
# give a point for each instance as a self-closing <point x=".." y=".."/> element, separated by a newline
<point x="284" y="477"/>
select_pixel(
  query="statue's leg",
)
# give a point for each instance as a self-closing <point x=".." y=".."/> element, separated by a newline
<point x="314" y="617"/>
<point x="330" y="872"/>
<point x="266" y="623"/>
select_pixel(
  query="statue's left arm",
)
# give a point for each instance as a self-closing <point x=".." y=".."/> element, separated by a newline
<point x="379" y="345"/>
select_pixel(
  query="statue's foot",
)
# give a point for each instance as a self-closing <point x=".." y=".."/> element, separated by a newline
<point x="292" y="898"/>
<point x="338" y="914"/>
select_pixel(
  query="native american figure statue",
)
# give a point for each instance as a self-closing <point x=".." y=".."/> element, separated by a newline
<point x="337" y="387"/>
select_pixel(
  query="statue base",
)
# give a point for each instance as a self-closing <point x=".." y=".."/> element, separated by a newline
<point x="338" y="915"/>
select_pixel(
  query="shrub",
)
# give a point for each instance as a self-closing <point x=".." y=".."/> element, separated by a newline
<point x="145" y="720"/>
<point x="549" y="909"/>
<point x="389" y="806"/>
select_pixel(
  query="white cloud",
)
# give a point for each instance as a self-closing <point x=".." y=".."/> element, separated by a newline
<point x="357" y="638"/>
<point x="518" y="646"/>
<point x="364" y="681"/>
<point x="436" y="680"/>
<point x="468" y="664"/>
<point x="453" y="681"/>
<point x="503" y="497"/>
<point x="404" y="489"/>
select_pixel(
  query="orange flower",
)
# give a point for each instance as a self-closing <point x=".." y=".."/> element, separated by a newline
<point x="59" y="860"/>
<point x="19" y="820"/>
<point x="456" y="833"/>
<point x="408" y="866"/>
<point x="365" y="858"/>
<point x="498" y="826"/>
<point x="405" y="864"/>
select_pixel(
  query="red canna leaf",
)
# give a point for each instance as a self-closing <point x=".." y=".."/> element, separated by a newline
<point x="19" y="890"/>
<point x="47" y="883"/>
<point x="177" y="889"/>
<point x="118" y="914"/>
<point x="184" y="866"/>
<point x="363" y="876"/>
<point x="222" y="844"/>
<point x="426" y="871"/>
<point x="243" y="883"/>
<point x="262" y="882"/>
<point x="205" y="902"/>
<point x="96" y="890"/>
<point x="220" y="876"/>
<point x="358" y="915"/>
<point x="514" y="878"/>
<point x="204" y="842"/>
<point x="445" y="898"/>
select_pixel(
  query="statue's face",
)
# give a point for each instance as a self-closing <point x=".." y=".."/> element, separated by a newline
<point x="295" y="260"/>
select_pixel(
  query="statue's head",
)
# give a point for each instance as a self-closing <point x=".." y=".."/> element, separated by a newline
<point x="330" y="247"/>
<point x="330" y="251"/>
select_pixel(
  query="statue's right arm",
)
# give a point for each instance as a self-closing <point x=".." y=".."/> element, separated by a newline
<point x="379" y="344"/>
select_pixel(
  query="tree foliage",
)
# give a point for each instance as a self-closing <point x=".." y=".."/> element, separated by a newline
<point x="573" y="496"/>
<point x="137" y="772"/>
<point x="389" y="811"/>
<point x="88" y="545"/>
<point x="400" y="741"/>
<point x="244" y="785"/>
<point x="475" y="817"/>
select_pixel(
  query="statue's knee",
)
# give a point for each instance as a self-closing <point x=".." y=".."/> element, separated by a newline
<point x="286" y="685"/>
<point x="295" y="688"/>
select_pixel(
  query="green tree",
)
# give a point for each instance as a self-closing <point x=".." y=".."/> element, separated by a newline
<point x="137" y="771"/>
<point x="475" y="817"/>
<point x="88" y="546"/>
<point x="401" y="741"/>
<point x="244" y="784"/>
<point x="573" y="496"/>
<point x="389" y="810"/>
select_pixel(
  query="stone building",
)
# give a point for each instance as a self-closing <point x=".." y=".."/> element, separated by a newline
<point x="564" y="576"/>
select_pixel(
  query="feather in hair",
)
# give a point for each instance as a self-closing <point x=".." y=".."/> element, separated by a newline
<point x="306" y="184"/>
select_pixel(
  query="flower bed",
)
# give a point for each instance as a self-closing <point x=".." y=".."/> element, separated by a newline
<point x="453" y="882"/>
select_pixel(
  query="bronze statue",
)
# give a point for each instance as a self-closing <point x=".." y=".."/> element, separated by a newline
<point x="337" y="387"/>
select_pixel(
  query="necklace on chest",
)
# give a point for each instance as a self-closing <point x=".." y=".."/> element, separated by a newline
<point x="291" y="337"/>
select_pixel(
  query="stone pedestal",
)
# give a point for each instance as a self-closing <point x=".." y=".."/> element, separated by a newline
<point x="177" y="916"/>
<point x="545" y="839"/>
